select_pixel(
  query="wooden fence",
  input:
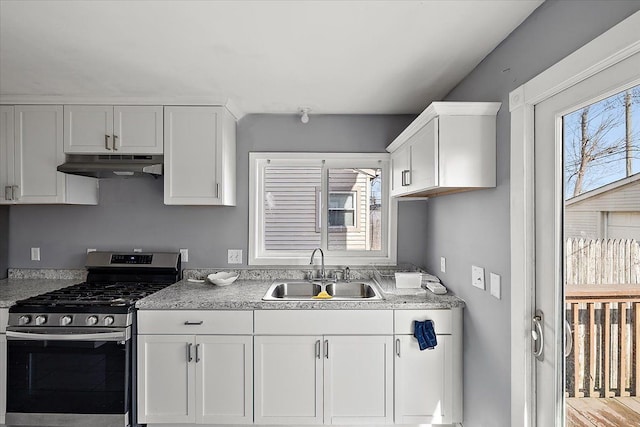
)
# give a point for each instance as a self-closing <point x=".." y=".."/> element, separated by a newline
<point x="602" y="261"/>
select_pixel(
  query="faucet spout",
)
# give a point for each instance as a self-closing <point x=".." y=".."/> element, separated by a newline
<point x="322" y="272"/>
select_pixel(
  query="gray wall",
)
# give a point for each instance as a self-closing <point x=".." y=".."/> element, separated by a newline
<point x="473" y="228"/>
<point x="131" y="213"/>
<point x="4" y="241"/>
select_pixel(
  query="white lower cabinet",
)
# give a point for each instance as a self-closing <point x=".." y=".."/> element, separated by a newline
<point x="428" y="383"/>
<point x="195" y="378"/>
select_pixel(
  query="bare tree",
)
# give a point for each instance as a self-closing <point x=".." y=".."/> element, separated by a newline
<point x="595" y="141"/>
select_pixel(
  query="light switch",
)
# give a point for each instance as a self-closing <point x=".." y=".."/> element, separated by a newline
<point x="495" y="285"/>
<point x="477" y="277"/>
<point x="35" y="254"/>
<point x="137" y="250"/>
<point x="184" y="255"/>
<point x="443" y="264"/>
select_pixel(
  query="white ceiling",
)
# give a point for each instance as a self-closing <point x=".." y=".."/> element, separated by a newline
<point x="353" y="57"/>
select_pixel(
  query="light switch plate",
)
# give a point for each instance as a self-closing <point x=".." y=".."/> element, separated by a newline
<point x="477" y="277"/>
<point x="184" y="255"/>
<point x="495" y="285"/>
<point x="137" y="250"/>
<point x="443" y="264"/>
<point x="91" y="250"/>
<point x="234" y="256"/>
<point x="35" y="254"/>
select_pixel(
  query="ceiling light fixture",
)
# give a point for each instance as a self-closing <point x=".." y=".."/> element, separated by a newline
<point x="304" y="114"/>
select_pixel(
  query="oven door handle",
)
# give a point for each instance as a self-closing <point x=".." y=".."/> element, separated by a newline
<point x="101" y="336"/>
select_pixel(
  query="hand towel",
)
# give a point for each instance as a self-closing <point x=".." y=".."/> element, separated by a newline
<point x="425" y="334"/>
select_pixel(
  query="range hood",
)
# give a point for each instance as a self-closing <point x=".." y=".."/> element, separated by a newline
<point x="112" y="166"/>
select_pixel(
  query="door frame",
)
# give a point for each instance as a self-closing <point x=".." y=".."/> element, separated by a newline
<point x="613" y="46"/>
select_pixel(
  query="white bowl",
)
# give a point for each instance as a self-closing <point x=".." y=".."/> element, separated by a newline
<point x="223" y="278"/>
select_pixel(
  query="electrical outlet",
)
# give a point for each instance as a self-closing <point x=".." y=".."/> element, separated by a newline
<point x="234" y="256"/>
<point x="137" y="250"/>
<point x="91" y="250"/>
<point x="184" y="255"/>
<point x="35" y="254"/>
<point x="495" y="285"/>
<point x="443" y="264"/>
<point x="477" y="277"/>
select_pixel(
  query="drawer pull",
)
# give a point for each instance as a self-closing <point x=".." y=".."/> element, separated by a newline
<point x="187" y="323"/>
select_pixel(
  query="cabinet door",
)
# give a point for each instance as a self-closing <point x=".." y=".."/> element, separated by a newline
<point x="224" y="379"/>
<point x="400" y="166"/>
<point x="166" y="379"/>
<point x="137" y="130"/>
<point x="7" y="147"/>
<point x="288" y="380"/>
<point x="424" y="157"/>
<point x="88" y="129"/>
<point x="38" y="151"/>
<point x="192" y="156"/>
<point x="423" y="382"/>
<point x="3" y="377"/>
<point x="358" y="380"/>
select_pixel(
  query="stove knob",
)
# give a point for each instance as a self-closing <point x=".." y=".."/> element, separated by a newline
<point x="92" y="320"/>
<point x="24" y="320"/>
<point x="108" y="320"/>
<point x="41" y="320"/>
<point x="65" y="320"/>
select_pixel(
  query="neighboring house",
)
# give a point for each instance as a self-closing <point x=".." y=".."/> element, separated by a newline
<point x="293" y="209"/>
<point x="609" y="212"/>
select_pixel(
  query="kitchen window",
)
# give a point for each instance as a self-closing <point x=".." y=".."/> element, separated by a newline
<point x="335" y="201"/>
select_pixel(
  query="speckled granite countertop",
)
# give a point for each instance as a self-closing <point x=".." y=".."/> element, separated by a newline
<point x="247" y="295"/>
<point x="12" y="290"/>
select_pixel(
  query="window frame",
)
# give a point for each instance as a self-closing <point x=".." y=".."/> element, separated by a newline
<point x="356" y="211"/>
<point x="258" y="255"/>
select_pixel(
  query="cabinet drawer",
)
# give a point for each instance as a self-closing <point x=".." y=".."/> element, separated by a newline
<point x="324" y="322"/>
<point x="404" y="320"/>
<point x="194" y="322"/>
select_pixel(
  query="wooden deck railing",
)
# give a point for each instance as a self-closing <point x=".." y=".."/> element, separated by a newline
<point x="605" y="322"/>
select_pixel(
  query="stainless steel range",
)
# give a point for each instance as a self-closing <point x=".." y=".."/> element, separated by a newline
<point x="71" y="352"/>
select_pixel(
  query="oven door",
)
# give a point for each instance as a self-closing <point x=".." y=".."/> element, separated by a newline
<point x="68" y="377"/>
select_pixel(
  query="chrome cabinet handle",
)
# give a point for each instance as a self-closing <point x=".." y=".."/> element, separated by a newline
<point x="326" y="349"/>
<point x="406" y="178"/>
<point x="398" y="347"/>
<point x="197" y="353"/>
<point x="15" y="193"/>
<point x="8" y="192"/>
<point x="568" y="339"/>
<point x="538" y="335"/>
<point x="115" y="142"/>
<point x="106" y="142"/>
<point x="189" y="357"/>
<point x="217" y="191"/>
<point x="189" y="323"/>
<point x="318" y="349"/>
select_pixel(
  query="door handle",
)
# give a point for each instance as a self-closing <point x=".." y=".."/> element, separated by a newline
<point x="568" y="339"/>
<point x="217" y="191"/>
<point x="318" y="349"/>
<point x="326" y="349"/>
<point x="406" y="178"/>
<point x="106" y="142"/>
<point x="398" y="347"/>
<point x="115" y="142"/>
<point x="197" y="353"/>
<point x="189" y="357"/>
<point x="538" y="335"/>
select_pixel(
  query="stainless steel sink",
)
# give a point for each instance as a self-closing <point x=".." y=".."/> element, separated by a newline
<point x="305" y="291"/>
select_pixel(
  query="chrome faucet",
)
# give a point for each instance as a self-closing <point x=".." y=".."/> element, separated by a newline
<point x="322" y="273"/>
<point x="347" y="274"/>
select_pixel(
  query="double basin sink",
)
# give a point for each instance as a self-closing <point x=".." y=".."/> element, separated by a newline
<point x="309" y="291"/>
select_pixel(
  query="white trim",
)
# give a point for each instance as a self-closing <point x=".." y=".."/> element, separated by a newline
<point x="615" y="45"/>
<point x="122" y="100"/>
<point x="257" y="255"/>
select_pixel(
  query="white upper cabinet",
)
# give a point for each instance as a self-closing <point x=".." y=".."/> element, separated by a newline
<point x="200" y="156"/>
<point x="450" y="147"/>
<point x="31" y="148"/>
<point x="105" y="129"/>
